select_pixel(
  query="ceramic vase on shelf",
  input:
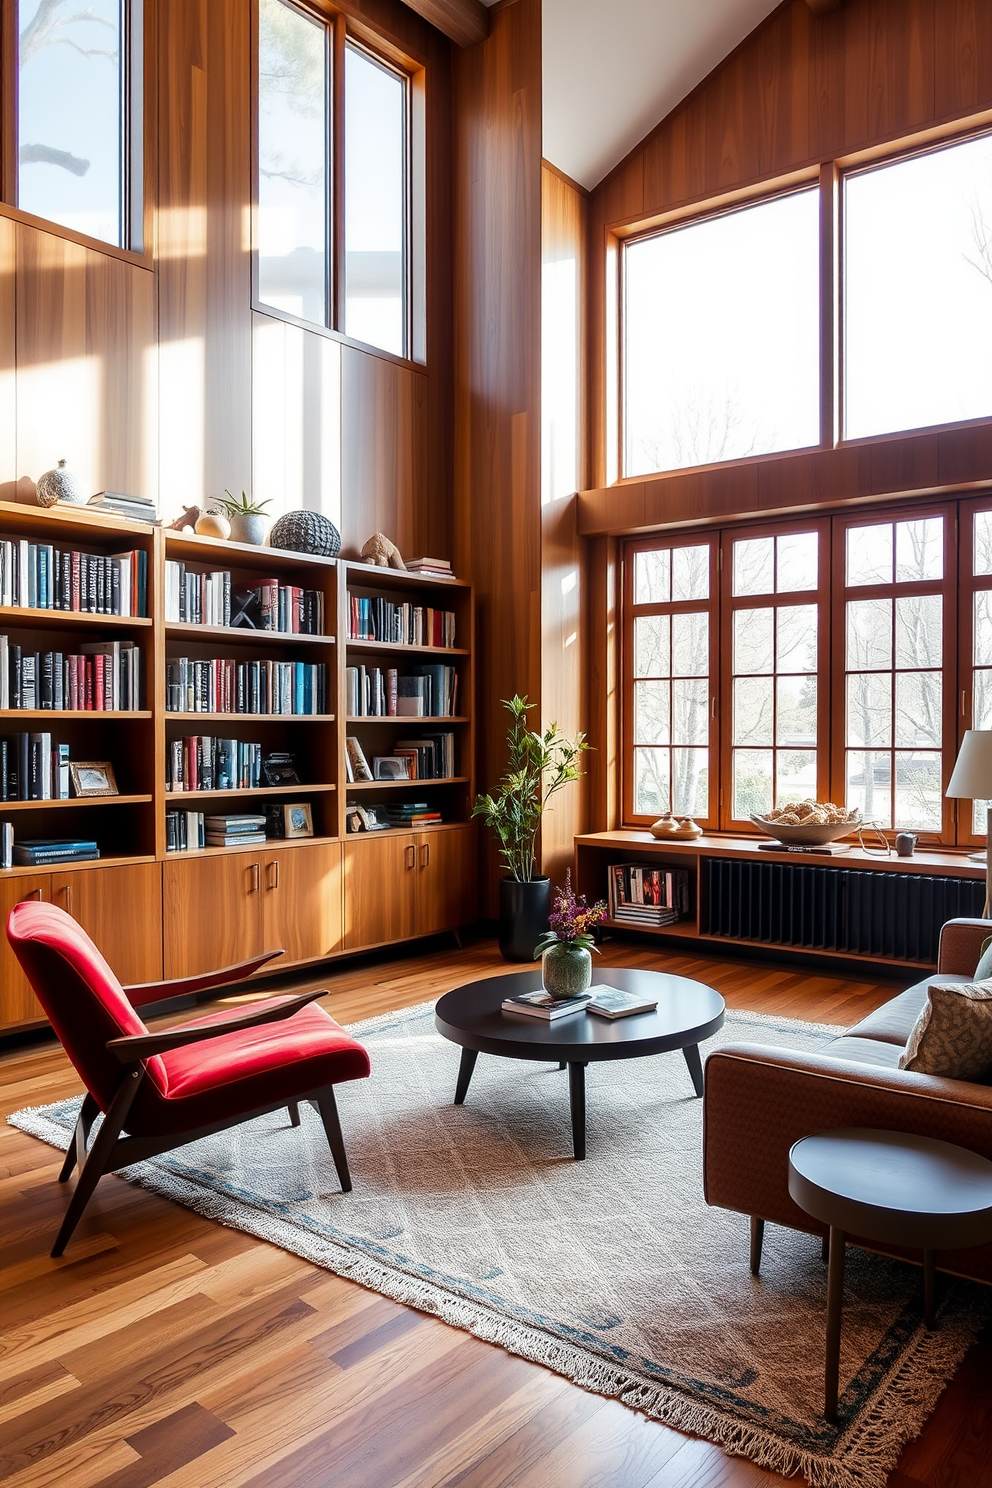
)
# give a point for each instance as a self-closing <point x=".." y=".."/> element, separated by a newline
<point x="248" y="527"/>
<point x="566" y="969"/>
<point x="58" y="485"/>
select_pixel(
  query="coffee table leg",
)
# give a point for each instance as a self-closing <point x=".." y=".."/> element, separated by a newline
<point x="929" y="1290"/>
<point x="691" y="1052"/>
<point x="835" y="1302"/>
<point x="577" y="1101"/>
<point x="465" y="1068"/>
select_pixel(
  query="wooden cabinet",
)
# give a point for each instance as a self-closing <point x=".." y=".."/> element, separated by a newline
<point x="301" y="900"/>
<point x="398" y="887"/>
<point x="212" y="912"/>
<point x="121" y="908"/>
<point x="18" y="1004"/>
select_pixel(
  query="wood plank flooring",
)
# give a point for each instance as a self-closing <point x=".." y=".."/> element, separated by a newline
<point x="165" y="1349"/>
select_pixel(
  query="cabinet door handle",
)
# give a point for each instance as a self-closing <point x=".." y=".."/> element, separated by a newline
<point x="34" y="894"/>
<point x="67" y="891"/>
<point x="253" y="869"/>
<point x="410" y="853"/>
<point x="272" y="873"/>
<point x="425" y="854"/>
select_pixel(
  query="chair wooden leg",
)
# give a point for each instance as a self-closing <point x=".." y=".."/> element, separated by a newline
<point x="98" y="1157"/>
<point x="757" y="1240"/>
<point x="327" y="1106"/>
<point x="294" y="1113"/>
<point x="80" y="1137"/>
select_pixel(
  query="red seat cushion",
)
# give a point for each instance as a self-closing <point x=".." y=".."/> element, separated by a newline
<point x="226" y="1077"/>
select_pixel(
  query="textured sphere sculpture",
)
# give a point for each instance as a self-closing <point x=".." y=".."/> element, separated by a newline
<point x="306" y="532"/>
<point x="60" y="485"/>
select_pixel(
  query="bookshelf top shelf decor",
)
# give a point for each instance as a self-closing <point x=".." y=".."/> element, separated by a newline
<point x="188" y="547"/>
<point x="62" y="524"/>
<point x="366" y="576"/>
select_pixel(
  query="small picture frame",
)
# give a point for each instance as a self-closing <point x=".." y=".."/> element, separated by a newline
<point x="93" y="778"/>
<point x="297" y="820"/>
<point x="391" y="767"/>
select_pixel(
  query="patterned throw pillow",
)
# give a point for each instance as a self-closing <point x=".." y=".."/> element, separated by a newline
<point x="984" y="968"/>
<point x="953" y="1034"/>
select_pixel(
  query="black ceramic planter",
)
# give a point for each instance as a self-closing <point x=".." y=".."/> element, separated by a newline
<point x="523" y="916"/>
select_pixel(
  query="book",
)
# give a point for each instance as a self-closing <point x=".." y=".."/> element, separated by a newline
<point x="611" y="1002"/>
<point x="356" y="756"/>
<point x="34" y="852"/>
<point x="541" y="1004"/>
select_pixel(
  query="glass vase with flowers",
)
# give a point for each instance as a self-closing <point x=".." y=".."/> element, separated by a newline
<point x="566" y="947"/>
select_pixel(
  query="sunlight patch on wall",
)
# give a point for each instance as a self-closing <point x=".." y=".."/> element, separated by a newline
<point x="296" y="419"/>
<point x="59" y="417"/>
<point x="182" y="401"/>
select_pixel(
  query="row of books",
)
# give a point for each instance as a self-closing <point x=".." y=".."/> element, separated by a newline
<point x="641" y="895"/>
<point x="40" y="576"/>
<point x="403" y="624"/>
<point x="374" y="692"/>
<point x="102" y="675"/>
<point x="207" y="763"/>
<point x="196" y="598"/>
<point x="33" y="768"/>
<point x="191" y="831"/>
<point x="431" y="757"/>
<point x="228" y="686"/>
<point x="41" y="852"/>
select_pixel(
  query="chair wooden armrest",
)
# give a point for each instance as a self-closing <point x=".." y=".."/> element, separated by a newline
<point x="138" y="1046"/>
<point x="143" y="992"/>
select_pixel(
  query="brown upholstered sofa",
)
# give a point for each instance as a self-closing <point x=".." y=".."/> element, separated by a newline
<point x="759" y="1100"/>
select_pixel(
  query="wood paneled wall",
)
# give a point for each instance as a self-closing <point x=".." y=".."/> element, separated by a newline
<point x="497" y="278"/>
<point x="157" y="377"/>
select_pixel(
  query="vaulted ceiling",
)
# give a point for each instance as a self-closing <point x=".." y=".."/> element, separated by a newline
<point x="612" y="72"/>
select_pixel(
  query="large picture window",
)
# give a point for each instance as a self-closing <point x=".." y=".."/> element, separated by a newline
<point x="375" y="214"/>
<point x="79" y="117"/>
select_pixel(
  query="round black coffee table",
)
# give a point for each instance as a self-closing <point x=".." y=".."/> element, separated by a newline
<point x="894" y="1187"/>
<point x="472" y="1016"/>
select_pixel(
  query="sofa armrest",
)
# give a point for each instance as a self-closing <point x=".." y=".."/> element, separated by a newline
<point x="759" y="1101"/>
<point x="961" y="945"/>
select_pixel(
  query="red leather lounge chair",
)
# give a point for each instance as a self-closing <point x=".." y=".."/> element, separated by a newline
<point x="171" y="1087"/>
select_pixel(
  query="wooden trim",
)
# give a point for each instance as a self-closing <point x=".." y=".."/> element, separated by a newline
<point x="338" y="293"/>
<point x="143" y="260"/>
<point x="968" y="586"/>
<point x="831" y="349"/>
<point x="575" y="186"/>
<point x="465" y="22"/>
<point x="8" y="106"/>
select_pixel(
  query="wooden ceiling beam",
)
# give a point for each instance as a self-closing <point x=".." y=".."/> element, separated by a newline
<point x="464" y="21"/>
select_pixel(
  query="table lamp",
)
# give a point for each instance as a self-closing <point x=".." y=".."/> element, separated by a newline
<point x="971" y="779"/>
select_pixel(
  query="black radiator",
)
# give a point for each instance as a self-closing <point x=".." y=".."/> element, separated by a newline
<point x="890" y="914"/>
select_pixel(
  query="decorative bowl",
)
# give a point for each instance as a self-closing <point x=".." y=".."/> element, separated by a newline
<point x="815" y="834"/>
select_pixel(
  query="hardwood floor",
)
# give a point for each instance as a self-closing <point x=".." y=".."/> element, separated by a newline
<point x="164" y="1348"/>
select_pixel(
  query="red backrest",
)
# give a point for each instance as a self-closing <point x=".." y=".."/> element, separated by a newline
<point x="84" y="1001"/>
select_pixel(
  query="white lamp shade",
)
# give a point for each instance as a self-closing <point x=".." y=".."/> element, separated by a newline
<point x="971" y="777"/>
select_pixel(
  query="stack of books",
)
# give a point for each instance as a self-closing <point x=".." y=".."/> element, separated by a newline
<point x="403" y="624"/>
<point x="545" y="1005"/>
<point x="39" y="576"/>
<point x="41" y="851"/>
<point x="202" y="762"/>
<point x="431" y="568"/>
<point x="184" y="831"/>
<point x="410" y="814"/>
<point x="431" y="758"/>
<point x="641" y="895"/>
<point x="135" y="508"/>
<point x="32" y="768"/>
<point x="234" y="831"/>
<point x="227" y="686"/>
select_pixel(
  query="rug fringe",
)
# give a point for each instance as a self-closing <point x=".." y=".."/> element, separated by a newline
<point x="916" y="1381"/>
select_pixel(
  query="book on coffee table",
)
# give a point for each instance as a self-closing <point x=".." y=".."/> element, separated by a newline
<point x="541" y="1004"/>
<point x="611" y="1002"/>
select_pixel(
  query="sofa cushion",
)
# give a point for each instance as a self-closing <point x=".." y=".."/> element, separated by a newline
<point x="953" y="1033"/>
<point x="984" y="968"/>
<point x="894" y="1021"/>
<point x="865" y="1051"/>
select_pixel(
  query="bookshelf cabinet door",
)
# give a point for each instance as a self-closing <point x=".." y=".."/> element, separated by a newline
<point x="301" y="901"/>
<point x="447" y="880"/>
<point x="380" y="889"/>
<point x="212" y="913"/>
<point x="121" y="908"/>
<point x="18" y="1004"/>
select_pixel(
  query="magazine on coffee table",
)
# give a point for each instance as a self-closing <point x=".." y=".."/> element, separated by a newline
<point x="542" y="1004"/>
<point x="611" y="1002"/>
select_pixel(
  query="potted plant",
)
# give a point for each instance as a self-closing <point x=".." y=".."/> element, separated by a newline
<point x="248" y="522"/>
<point x="539" y="765"/>
<point x="566" y="948"/>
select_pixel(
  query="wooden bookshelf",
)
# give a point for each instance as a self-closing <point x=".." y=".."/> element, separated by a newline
<point x="156" y="913"/>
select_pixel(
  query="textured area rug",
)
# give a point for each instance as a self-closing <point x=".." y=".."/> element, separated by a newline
<point x="613" y="1271"/>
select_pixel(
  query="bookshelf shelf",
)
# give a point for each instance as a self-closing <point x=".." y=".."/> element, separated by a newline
<point x="252" y="717"/>
<point x="54" y="714"/>
<point x="368" y="785"/>
<point x="273" y="844"/>
<point x="407" y="650"/>
<point x="194" y="548"/>
<point x="69" y="619"/>
<point x="82" y="865"/>
<point x="417" y="827"/>
<point x="75" y="801"/>
<point x="409" y="720"/>
<point x="239" y="635"/>
<point x="244" y="794"/>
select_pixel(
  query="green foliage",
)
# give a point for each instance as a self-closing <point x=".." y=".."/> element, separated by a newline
<point x="240" y="506"/>
<point x="539" y="765"/>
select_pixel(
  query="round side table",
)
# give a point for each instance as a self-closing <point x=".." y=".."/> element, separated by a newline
<point x="893" y="1187"/>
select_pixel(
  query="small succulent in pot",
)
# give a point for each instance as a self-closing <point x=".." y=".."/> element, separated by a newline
<point x="566" y="947"/>
<point x="249" y="524"/>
